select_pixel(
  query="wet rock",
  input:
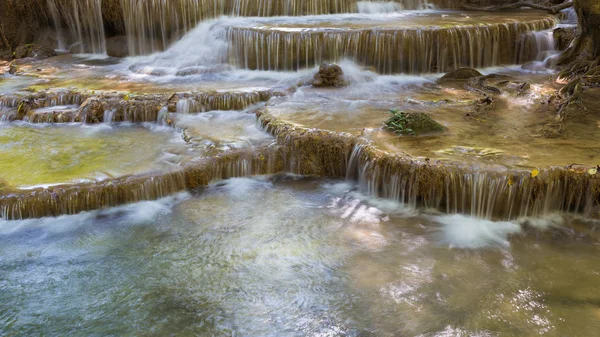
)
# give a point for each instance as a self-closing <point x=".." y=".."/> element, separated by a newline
<point x="31" y="50"/>
<point x="172" y="103"/>
<point x="490" y="84"/>
<point x="58" y="116"/>
<point x="329" y="75"/>
<point x="117" y="46"/>
<point x="41" y="52"/>
<point x="12" y="68"/>
<point x="461" y="74"/>
<point x="563" y="37"/>
<point x="92" y="110"/>
<point x="23" y="109"/>
<point x="21" y="51"/>
<point x="412" y="123"/>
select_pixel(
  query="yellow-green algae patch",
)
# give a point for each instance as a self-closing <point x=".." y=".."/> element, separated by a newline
<point x="31" y="156"/>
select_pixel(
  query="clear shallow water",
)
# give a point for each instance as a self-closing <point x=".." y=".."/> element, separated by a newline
<point x="218" y="131"/>
<point x="292" y="257"/>
<point x="45" y="154"/>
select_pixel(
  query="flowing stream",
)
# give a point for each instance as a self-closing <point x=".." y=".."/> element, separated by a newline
<point x="285" y="256"/>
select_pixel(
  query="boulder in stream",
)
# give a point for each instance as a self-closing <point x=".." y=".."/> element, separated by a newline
<point x="117" y="46"/>
<point x="329" y="75"/>
<point x="32" y="50"/>
<point x="460" y="74"/>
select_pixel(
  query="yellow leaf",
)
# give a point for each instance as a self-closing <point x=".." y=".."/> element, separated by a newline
<point x="510" y="181"/>
<point x="593" y="171"/>
<point x="126" y="97"/>
<point x="535" y="173"/>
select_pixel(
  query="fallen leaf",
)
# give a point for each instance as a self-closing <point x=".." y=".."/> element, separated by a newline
<point x="535" y="173"/>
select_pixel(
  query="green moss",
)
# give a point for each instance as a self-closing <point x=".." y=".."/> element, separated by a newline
<point x="411" y="124"/>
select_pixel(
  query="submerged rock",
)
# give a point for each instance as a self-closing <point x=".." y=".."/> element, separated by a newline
<point x="329" y="75"/>
<point x="460" y="74"/>
<point x="496" y="84"/>
<point x="412" y="123"/>
<point x="117" y="46"/>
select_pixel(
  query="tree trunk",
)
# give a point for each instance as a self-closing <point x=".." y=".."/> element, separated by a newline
<point x="586" y="46"/>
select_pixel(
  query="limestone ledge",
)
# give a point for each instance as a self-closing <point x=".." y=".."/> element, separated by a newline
<point x="452" y="188"/>
<point x="91" y="105"/>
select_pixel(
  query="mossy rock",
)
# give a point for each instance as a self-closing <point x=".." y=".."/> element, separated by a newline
<point x="412" y="124"/>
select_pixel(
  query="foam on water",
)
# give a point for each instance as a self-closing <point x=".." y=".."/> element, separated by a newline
<point x="138" y="213"/>
<point x="376" y="7"/>
<point x="460" y="231"/>
<point x="347" y="199"/>
<point x="202" y="46"/>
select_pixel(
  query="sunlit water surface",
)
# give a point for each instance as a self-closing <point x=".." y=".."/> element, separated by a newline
<point x="292" y="257"/>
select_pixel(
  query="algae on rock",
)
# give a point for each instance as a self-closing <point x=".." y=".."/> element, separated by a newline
<point x="412" y="123"/>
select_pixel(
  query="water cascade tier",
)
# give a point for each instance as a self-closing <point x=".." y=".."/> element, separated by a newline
<point x="403" y="43"/>
<point x="68" y="106"/>
<point x="152" y="25"/>
<point x="484" y="193"/>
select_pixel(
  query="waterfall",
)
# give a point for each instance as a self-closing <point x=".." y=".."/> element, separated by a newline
<point x="379" y="7"/>
<point x="546" y="47"/>
<point x="109" y="116"/>
<point x="55" y="14"/>
<point x="409" y="51"/>
<point x="84" y="20"/>
<point x="152" y="25"/>
<point x="569" y="16"/>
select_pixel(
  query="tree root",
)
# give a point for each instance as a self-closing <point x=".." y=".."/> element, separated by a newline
<point x="521" y="3"/>
<point x="582" y="75"/>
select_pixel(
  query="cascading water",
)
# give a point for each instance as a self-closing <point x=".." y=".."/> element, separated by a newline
<point x="545" y="47"/>
<point x="379" y="7"/>
<point x="569" y="16"/>
<point x="388" y="50"/>
<point x="85" y="23"/>
<point x="152" y="25"/>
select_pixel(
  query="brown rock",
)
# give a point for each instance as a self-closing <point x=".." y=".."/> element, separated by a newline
<point x="32" y="50"/>
<point x="117" y="46"/>
<point x="329" y="75"/>
<point x="460" y="74"/>
<point x="563" y="37"/>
